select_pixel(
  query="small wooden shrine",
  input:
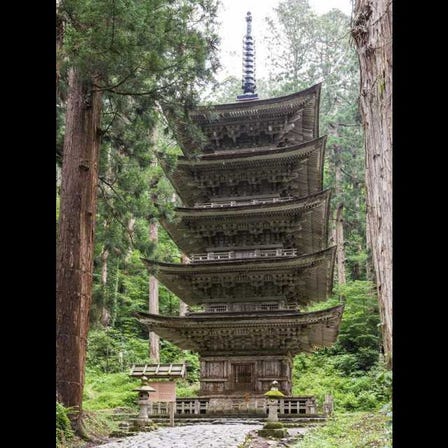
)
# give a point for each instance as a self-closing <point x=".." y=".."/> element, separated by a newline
<point x="254" y="224"/>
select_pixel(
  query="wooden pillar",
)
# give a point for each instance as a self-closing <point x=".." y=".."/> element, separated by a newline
<point x="171" y="407"/>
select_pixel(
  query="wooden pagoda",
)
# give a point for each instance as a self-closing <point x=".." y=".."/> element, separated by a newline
<point x="254" y="224"/>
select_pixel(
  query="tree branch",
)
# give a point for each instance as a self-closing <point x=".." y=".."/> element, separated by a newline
<point x="113" y="211"/>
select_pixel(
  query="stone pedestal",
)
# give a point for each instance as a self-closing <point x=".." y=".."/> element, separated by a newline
<point x="143" y="413"/>
<point x="272" y="410"/>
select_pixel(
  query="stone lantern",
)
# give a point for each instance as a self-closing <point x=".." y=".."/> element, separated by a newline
<point x="272" y="398"/>
<point x="143" y="399"/>
<point x="272" y="427"/>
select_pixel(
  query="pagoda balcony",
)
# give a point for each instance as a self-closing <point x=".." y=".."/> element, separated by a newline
<point x="294" y="170"/>
<point x="300" y="223"/>
<point x="294" y="280"/>
<point x="247" y="202"/>
<point x="233" y="255"/>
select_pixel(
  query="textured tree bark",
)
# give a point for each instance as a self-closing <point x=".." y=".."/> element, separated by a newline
<point x="76" y="237"/>
<point x="59" y="43"/>
<point x="154" y="340"/>
<point x="372" y="33"/>
<point x="105" y="315"/>
<point x="340" y="250"/>
<point x="338" y="235"/>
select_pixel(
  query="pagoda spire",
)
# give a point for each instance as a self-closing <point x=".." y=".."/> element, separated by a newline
<point x="248" y="82"/>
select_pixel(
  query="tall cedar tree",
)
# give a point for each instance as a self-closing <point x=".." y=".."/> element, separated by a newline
<point x="372" y="33"/>
<point x="160" y="49"/>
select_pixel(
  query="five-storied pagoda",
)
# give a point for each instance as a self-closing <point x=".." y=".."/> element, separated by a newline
<point x="254" y="223"/>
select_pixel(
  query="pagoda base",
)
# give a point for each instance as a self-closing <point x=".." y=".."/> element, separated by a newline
<point x="249" y="375"/>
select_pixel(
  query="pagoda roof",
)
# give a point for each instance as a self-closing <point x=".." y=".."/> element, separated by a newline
<point x="276" y="121"/>
<point x="297" y="280"/>
<point x="303" y="220"/>
<point x="245" y="334"/>
<point x="300" y="166"/>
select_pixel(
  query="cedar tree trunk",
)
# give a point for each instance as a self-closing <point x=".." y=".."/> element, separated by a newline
<point x="76" y="230"/>
<point x="372" y="33"/>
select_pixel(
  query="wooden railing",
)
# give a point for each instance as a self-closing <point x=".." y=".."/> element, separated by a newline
<point x="183" y="406"/>
<point x="243" y="202"/>
<point x="231" y="255"/>
<point x="297" y="405"/>
<point x="200" y="406"/>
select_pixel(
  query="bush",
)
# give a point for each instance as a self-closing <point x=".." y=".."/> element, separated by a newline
<point x="185" y="389"/>
<point x="64" y="431"/>
<point x="361" y="391"/>
<point x="358" y="343"/>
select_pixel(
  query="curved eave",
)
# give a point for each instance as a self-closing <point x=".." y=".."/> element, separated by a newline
<point x="287" y="333"/>
<point x="183" y="231"/>
<point x="202" y="113"/>
<point x="300" y="151"/>
<point x="314" y="270"/>
<point x="222" y="114"/>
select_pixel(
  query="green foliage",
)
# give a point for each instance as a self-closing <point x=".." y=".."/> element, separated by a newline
<point x="354" y="430"/>
<point x="350" y="370"/>
<point x="318" y="375"/>
<point x="358" y="344"/>
<point x="186" y="389"/>
<point x="64" y="431"/>
<point x="100" y="423"/>
<point x="107" y="391"/>
<point x="139" y="46"/>
<point x="109" y="350"/>
<point x="104" y="391"/>
<point x="170" y="353"/>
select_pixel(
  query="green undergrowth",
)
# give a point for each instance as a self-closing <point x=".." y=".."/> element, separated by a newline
<point x="115" y="390"/>
<point x="186" y="389"/>
<point x="361" y="391"/>
<point x="99" y="424"/>
<point x="64" y="432"/>
<point x="96" y="426"/>
<point x="109" y="390"/>
<point x="352" y="430"/>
